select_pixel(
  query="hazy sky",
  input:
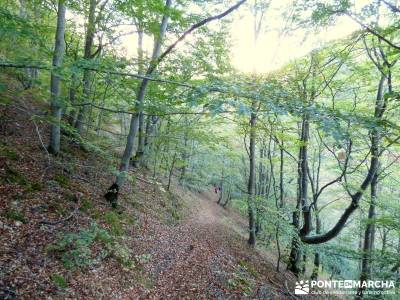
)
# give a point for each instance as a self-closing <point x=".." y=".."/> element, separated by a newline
<point x="275" y="48"/>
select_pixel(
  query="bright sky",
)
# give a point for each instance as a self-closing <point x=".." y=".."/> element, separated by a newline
<point x="274" y="49"/>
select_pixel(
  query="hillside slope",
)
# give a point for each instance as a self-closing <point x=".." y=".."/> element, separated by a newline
<point x="61" y="240"/>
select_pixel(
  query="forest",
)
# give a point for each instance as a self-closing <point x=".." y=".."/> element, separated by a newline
<point x="204" y="149"/>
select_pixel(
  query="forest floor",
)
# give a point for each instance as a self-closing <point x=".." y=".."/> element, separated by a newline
<point x="61" y="240"/>
<point x="209" y="258"/>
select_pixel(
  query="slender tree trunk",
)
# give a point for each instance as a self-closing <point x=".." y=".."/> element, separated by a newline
<point x="281" y="175"/>
<point x="304" y="263"/>
<point x="281" y="204"/>
<point x="134" y="124"/>
<point x="87" y="73"/>
<point x="221" y="184"/>
<point x="314" y="178"/>
<point x="171" y="171"/>
<point x="157" y="150"/>
<point x="228" y="198"/>
<point x="30" y="74"/>
<point x="303" y="160"/>
<point x="141" y="134"/>
<point x="382" y="262"/>
<point x="396" y="268"/>
<point x="252" y="171"/>
<point x="72" y="91"/>
<point x="100" y="117"/>
<point x="370" y="227"/>
<point x="151" y="122"/>
<point x="295" y="254"/>
<point x="317" y="256"/>
<point x="221" y="193"/>
<point x="185" y="155"/>
<point x="54" y="146"/>
<point x="72" y="99"/>
<point x="260" y="187"/>
<point x="148" y="130"/>
<point x="140" y="146"/>
<point x="156" y="59"/>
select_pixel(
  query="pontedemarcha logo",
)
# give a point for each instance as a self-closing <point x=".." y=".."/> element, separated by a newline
<point x="302" y="287"/>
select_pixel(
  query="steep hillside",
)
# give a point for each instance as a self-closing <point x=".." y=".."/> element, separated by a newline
<point x="61" y="239"/>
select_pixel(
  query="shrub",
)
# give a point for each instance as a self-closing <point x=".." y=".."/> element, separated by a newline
<point x="122" y="254"/>
<point x="62" y="180"/>
<point x="13" y="176"/>
<point x="10" y="154"/>
<point x="114" y="221"/>
<point x="15" y="215"/>
<point x="75" y="248"/>
<point x="86" y="204"/>
<point x="242" y="280"/>
<point x="59" y="280"/>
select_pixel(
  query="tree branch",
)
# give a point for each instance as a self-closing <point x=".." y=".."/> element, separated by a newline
<point x="370" y="30"/>
<point x="189" y="31"/>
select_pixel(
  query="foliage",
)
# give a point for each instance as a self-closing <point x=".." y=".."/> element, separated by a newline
<point x="196" y="126"/>
<point x="242" y="280"/>
<point x="76" y="249"/>
<point x="59" y="280"/>
<point x="15" y="215"/>
<point x="62" y="180"/>
<point x="115" y="222"/>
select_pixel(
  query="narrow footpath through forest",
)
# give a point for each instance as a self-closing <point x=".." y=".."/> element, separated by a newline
<point x="181" y="243"/>
<point x="206" y="257"/>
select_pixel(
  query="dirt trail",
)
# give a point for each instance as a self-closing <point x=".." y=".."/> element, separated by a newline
<point x="206" y="211"/>
<point x="205" y="257"/>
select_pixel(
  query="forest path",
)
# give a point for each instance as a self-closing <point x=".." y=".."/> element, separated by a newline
<point x="206" y="257"/>
<point x="206" y="211"/>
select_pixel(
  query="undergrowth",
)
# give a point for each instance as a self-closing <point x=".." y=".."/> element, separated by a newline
<point x="76" y="249"/>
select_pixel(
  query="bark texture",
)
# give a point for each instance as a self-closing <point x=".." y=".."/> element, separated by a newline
<point x="56" y="107"/>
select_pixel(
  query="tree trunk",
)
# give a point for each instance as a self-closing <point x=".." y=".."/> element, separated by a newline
<point x="260" y="191"/>
<point x="171" y="171"/>
<point x="151" y="122"/>
<point x="221" y="184"/>
<point x="221" y="193"/>
<point x="156" y="59"/>
<point x="370" y="227"/>
<point x="252" y="171"/>
<point x="317" y="257"/>
<point x="54" y="146"/>
<point x="228" y="198"/>
<point x="295" y="254"/>
<point x="303" y="176"/>
<point x="100" y="116"/>
<point x="87" y="73"/>
<point x="281" y="204"/>
<point x="304" y="263"/>
<point x="396" y="268"/>
<point x="140" y="148"/>
<point x="72" y="99"/>
<point x="134" y="124"/>
<point x="281" y="174"/>
<point x="185" y="155"/>
<point x="141" y="138"/>
<point x="30" y="74"/>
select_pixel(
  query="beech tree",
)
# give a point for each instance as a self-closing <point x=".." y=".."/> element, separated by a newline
<point x="156" y="58"/>
<point x="54" y="146"/>
<point x="306" y="153"/>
